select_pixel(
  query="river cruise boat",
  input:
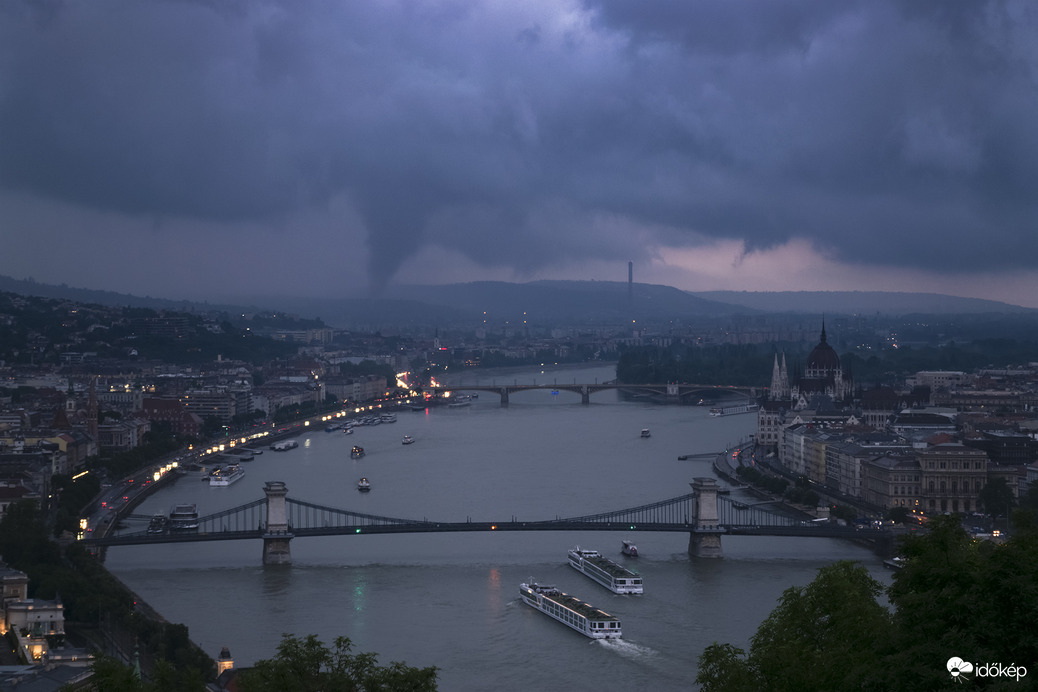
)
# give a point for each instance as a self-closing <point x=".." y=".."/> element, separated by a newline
<point x="363" y="485"/>
<point x="460" y="401"/>
<point x="732" y="410"/>
<point x="614" y="577"/>
<point x="571" y="611"/>
<point x="183" y="517"/>
<point x="629" y="549"/>
<point x="356" y="452"/>
<point x="284" y="445"/>
<point x="226" y="476"/>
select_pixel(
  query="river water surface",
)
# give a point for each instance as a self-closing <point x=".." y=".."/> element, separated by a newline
<point x="451" y="600"/>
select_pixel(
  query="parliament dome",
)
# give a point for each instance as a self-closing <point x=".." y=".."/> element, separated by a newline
<point x="823" y="356"/>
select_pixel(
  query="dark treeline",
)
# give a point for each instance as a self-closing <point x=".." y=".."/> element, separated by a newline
<point x="882" y="367"/>
<point x="751" y="365"/>
<point x="735" y="364"/>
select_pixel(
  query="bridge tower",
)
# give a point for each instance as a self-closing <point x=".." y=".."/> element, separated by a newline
<point x="277" y="535"/>
<point x="705" y="538"/>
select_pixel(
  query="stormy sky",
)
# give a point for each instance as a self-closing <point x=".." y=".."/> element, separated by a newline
<point x="215" y="149"/>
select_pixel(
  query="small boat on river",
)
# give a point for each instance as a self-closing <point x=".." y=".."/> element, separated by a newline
<point x="158" y="524"/>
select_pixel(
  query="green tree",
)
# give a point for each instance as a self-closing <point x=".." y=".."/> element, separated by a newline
<point x="954" y="597"/>
<point x="25" y="539"/>
<point x="112" y="676"/>
<point x="307" y="665"/>
<point x="898" y="515"/>
<point x="958" y="596"/>
<point x="996" y="498"/>
<point x="828" y="635"/>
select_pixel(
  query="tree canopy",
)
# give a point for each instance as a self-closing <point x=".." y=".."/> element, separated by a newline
<point x="306" y="664"/>
<point x="955" y="597"/>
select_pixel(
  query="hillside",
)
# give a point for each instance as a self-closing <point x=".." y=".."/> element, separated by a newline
<point x="860" y="302"/>
<point x="546" y="303"/>
<point x="591" y="302"/>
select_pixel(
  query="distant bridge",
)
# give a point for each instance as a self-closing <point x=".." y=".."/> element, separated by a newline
<point x="703" y="514"/>
<point x="676" y="392"/>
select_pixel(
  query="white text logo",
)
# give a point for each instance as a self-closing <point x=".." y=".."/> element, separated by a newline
<point x="959" y="670"/>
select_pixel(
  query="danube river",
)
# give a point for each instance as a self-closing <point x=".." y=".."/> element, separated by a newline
<point x="452" y="600"/>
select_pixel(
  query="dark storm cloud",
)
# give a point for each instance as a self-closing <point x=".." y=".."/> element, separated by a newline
<point x="886" y="132"/>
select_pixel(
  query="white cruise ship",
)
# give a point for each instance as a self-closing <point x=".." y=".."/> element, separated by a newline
<point x="748" y="407"/>
<point x="226" y="475"/>
<point x="570" y="611"/>
<point x="614" y="577"/>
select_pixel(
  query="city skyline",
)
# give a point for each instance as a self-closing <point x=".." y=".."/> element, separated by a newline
<point x="189" y="151"/>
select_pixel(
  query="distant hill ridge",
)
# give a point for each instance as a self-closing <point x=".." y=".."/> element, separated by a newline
<point x="861" y="302"/>
<point x="541" y="302"/>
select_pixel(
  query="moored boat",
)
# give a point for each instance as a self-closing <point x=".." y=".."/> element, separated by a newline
<point x="158" y="524"/>
<point x="894" y="563"/>
<point x="571" y="611"/>
<point x="226" y="476"/>
<point x="614" y="577"/>
<point x="183" y="517"/>
<point x="284" y="445"/>
<point x="241" y="454"/>
<point x="747" y="407"/>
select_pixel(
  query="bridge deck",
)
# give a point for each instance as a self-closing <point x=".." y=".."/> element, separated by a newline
<point x="676" y="514"/>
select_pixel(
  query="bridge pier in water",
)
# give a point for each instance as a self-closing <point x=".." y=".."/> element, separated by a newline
<point x="276" y="536"/>
<point x="705" y="538"/>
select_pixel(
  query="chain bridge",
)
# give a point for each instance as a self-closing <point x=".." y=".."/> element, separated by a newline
<point x="705" y="514"/>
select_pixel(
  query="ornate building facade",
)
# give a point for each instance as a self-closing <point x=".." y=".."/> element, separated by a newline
<point x="824" y="375"/>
